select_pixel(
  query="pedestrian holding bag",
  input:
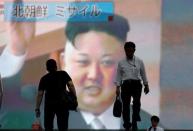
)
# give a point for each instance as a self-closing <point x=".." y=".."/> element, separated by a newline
<point x="117" y="108"/>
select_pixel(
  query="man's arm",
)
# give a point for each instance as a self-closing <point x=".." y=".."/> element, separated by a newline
<point x="144" y="78"/>
<point x="20" y="35"/>
<point x="118" y="80"/>
<point x="38" y="102"/>
<point x="71" y="87"/>
<point x="39" y="99"/>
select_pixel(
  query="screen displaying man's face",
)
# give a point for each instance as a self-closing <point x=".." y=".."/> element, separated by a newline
<point x="162" y="32"/>
<point x="92" y="65"/>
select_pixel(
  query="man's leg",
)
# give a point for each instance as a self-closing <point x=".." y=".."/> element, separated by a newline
<point x="48" y="118"/>
<point x="136" y="104"/>
<point x="62" y="119"/>
<point x="126" y="99"/>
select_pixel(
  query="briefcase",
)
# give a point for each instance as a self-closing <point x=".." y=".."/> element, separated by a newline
<point x="117" y="108"/>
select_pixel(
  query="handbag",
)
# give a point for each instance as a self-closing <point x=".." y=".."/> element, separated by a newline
<point x="36" y="125"/>
<point x="117" y="108"/>
<point x="70" y="100"/>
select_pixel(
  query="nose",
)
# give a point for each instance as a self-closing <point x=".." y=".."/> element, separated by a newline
<point x="94" y="72"/>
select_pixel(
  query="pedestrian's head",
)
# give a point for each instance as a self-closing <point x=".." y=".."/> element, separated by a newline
<point x="154" y="121"/>
<point x="51" y="65"/>
<point x="91" y="55"/>
<point x="129" y="49"/>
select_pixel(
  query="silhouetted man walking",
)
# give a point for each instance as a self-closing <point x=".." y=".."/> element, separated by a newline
<point x="53" y="84"/>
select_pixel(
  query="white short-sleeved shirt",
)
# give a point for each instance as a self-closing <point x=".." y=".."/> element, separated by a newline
<point x="157" y="129"/>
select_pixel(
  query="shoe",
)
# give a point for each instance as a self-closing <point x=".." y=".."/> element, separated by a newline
<point x="136" y="118"/>
<point x="127" y="126"/>
<point x="134" y="126"/>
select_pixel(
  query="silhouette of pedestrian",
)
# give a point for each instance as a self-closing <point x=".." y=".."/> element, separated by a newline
<point x="53" y="84"/>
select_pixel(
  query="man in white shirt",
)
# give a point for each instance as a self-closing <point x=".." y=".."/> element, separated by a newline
<point x="130" y="72"/>
<point x="154" y="124"/>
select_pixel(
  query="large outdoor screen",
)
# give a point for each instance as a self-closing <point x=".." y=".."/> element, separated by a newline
<point x="163" y="34"/>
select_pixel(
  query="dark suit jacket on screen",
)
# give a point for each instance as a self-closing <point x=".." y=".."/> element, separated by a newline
<point x="76" y="121"/>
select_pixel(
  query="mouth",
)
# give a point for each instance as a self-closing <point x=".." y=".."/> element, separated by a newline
<point x="93" y="90"/>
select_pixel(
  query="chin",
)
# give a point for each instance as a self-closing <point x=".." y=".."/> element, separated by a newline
<point x="91" y="108"/>
<point x="95" y="108"/>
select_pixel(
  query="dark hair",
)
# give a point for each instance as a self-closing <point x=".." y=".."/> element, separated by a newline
<point x="51" y="65"/>
<point x="155" y="118"/>
<point x="129" y="44"/>
<point x="118" y="28"/>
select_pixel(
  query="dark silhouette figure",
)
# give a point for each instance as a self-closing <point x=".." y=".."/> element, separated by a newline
<point x="130" y="72"/>
<point x="54" y="84"/>
<point x="154" y="124"/>
<point x="1" y="93"/>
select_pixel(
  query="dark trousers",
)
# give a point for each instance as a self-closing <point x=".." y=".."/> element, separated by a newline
<point x="131" y="88"/>
<point x="62" y="115"/>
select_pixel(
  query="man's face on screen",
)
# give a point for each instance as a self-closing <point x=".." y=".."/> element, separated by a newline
<point x="92" y="66"/>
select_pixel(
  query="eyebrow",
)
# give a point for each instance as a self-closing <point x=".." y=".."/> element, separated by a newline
<point x="86" y="55"/>
<point x="106" y="55"/>
<point x="82" y="54"/>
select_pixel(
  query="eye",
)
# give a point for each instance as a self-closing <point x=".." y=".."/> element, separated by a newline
<point x="107" y="62"/>
<point x="83" y="62"/>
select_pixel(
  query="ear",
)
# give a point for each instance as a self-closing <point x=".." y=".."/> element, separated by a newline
<point x="61" y="60"/>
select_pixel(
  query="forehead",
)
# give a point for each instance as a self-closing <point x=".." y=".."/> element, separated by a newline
<point x="94" y="42"/>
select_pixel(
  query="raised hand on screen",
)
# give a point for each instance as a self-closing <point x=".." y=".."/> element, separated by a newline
<point x="20" y="35"/>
